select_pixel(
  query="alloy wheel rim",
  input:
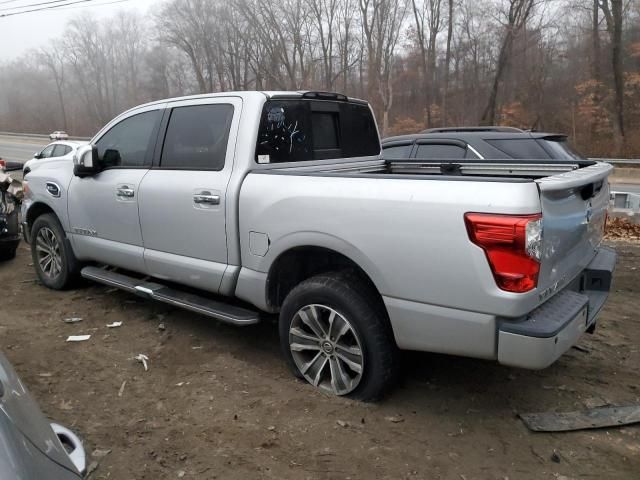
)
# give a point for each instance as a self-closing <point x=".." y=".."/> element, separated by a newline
<point x="326" y="349"/>
<point x="48" y="253"/>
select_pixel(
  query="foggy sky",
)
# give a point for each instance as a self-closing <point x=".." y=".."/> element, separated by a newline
<point x="20" y="33"/>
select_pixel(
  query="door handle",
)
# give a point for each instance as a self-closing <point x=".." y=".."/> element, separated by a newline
<point x="125" y="192"/>
<point x="206" y="198"/>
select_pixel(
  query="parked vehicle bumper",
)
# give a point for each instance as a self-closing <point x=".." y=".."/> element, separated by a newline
<point x="76" y="451"/>
<point x="554" y="327"/>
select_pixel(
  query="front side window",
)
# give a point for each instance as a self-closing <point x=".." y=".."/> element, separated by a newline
<point x="438" y="151"/>
<point x="127" y="143"/>
<point x="297" y="130"/>
<point x="396" y="152"/>
<point x="197" y="137"/>
<point x="47" y="152"/>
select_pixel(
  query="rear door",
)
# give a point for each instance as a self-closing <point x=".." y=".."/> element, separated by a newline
<point x="574" y="206"/>
<point x="184" y="197"/>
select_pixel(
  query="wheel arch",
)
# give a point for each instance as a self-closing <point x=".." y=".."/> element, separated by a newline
<point x="298" y="263"/>
<point x="37" y="210"/>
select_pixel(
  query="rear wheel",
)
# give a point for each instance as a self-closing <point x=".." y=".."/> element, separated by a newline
<point x="335" y="338"/>
<point x="53" y="260"/>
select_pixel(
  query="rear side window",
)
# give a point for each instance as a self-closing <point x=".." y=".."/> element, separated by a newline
<point x="396" y="152"/>
<point x="303" y="130"/>
<point x="127" y="143"/>
<point x="197" y="137"/>
<point x="59" y="151"/>
<point x="438" y="151"/>
<point x="521" y="148"/>
<point x="559" y="148"/>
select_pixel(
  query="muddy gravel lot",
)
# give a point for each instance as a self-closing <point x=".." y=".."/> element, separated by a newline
<point x="219" y="402"/>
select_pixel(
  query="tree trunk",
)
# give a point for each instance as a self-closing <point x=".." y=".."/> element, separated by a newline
<point x="447" y="64"/>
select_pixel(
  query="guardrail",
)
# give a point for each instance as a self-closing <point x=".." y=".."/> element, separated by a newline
<point x="39" y="135"/>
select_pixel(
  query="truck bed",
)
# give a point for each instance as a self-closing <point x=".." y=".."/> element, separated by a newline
<point x="452" y="170"/>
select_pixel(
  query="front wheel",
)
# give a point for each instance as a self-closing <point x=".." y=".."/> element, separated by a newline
<point x="335" y="338"/>
<point x="53" y="260"/>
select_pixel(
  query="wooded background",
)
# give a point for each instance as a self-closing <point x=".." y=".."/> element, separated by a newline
<point x="570" y="66"/>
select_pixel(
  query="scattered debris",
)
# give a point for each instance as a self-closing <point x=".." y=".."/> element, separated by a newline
<point x="581" y="349"/>
<point x="162" y="327"/>
<point x="114" y="325"/>
<point x="342" y="423"/>
<point x="181" y="473"/>
<point x="98" y="453"/>
<point x="394" y="419"/>
<point x="271" y="428"/>
<point x="46" y="375"/>
<point x="122" y="388"/>
<point x="78" y="338"/>
<point x="72" y="320"/>
<point x="93" y="466"/>
<point x="197" y="348"/>
<point x="555" y="457"/>
<point x="622" y="229"/>
<point x="599" y="417"/>
<point x="179" y="384"/>
<point x="141" y="357"/>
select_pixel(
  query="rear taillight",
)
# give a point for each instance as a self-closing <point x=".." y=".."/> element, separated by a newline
<point x="3" y="165"/>
<point x="513" y="245"/>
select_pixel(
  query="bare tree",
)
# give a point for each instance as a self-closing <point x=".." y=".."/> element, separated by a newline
<point x="428" y="23"/>
<point x="517" y="14"/>
<point x="53" y="59"/>
<point x="612" y="10"/>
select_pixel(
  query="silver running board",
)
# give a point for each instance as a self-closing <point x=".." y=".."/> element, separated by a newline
<point x="155" y="291"/>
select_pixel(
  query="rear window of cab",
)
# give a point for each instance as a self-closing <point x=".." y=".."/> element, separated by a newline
<point x="298" y="130"/>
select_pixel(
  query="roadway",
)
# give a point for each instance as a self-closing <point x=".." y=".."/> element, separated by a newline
<point x="21" y="149"/>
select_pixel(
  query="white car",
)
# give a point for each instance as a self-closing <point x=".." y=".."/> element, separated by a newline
<point x="59" y="135"/>
<point x="53" y="151"/>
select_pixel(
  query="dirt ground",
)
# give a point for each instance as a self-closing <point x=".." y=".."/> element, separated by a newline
<point x="218" y="401"/>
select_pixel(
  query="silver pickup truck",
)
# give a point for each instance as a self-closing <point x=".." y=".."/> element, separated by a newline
<point x="238" y="205"/>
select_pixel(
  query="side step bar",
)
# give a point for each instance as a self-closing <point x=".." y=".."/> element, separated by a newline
<point x="189" y="301"/>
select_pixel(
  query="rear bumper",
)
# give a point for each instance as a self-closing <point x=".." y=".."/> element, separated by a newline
<point x="551" y="329"/>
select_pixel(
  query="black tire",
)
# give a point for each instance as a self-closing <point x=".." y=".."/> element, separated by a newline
<point x="69" y="267"/>
<point x="352" y="300"/>
<point x="8" y="253"/>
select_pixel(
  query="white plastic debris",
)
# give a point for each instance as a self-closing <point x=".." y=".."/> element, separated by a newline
<point x="114" y="325"/>
<point x="72" y="320"/>
<point x="78" y="338"/>
<point x="141" y="357"/>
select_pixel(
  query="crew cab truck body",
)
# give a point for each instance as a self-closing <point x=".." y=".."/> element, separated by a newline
<point x="239" y="203"/>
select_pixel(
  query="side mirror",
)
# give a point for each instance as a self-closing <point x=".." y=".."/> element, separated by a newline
<point x="86" y="161"/>
<point x="37" y="155"/>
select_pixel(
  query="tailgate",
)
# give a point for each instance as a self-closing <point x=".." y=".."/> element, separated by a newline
<point x="574" y="207"/>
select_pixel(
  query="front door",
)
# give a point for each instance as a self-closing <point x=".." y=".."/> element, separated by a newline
<point x="183" y="198"/>
<point x="103" y="209"/>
